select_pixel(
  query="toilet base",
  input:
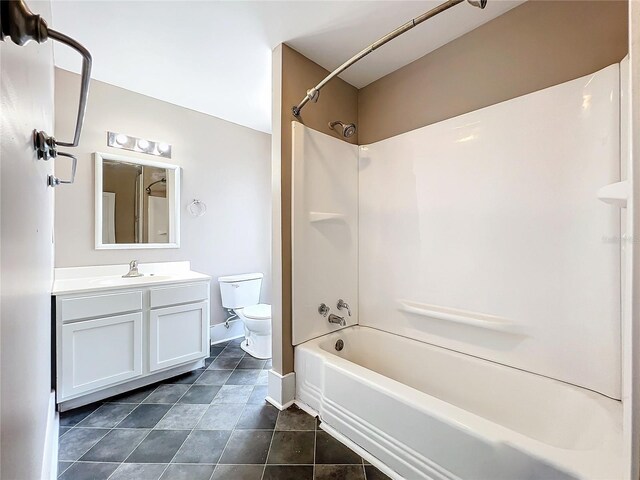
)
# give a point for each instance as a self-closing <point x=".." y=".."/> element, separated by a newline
<point x="257" y="347"/>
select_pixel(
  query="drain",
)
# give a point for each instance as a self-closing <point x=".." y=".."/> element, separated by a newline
<point x="339" y="345"/>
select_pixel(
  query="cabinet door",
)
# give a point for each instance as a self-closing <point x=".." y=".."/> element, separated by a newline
<point x="178" y="335"/>
<point x="99" y="353"/>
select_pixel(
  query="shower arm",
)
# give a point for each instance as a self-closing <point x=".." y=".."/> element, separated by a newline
<point x="314" y="93"/>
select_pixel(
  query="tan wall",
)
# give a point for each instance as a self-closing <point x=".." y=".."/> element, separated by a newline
<point x="339" y="101"/>
<point x="223" y="164"/>
<point x="533" y="46"/>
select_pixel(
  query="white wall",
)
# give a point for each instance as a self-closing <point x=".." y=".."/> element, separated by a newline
<point x="325" y="231"/>
<point x="26" y="256"/>
<point x="631" y="401"/>
<point x="484" y="234"/>
<point x="223" y="164"/>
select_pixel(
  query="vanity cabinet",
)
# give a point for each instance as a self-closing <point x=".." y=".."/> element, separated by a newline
<point x="107" y="341"/>
<point x="177" y="335"/>
<point x="101" y="352"/>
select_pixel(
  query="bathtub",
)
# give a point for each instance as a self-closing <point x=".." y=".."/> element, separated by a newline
<point x="424" y="412"/>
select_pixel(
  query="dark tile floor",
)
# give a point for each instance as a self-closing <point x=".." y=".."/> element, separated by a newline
<point x="210" y="424"/>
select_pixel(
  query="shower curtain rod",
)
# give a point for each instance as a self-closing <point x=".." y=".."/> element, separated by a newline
<point x="314" y="93"/>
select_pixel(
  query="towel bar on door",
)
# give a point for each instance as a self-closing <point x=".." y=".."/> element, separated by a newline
<point x="22" y="25"/>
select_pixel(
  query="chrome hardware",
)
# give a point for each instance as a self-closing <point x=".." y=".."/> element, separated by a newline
<point x="323" y="309"/>
<point x="21" y="25"/>
<point x="231" y="316"/>
<point x="342" y="304"/>
<point x="54" y="181"/>
<point x="44" y="145"/>
<point x="133" y="270"/>
<point x="339" y="345"/>
<point x="313" y="93"/>
<point x="338" y="320"/>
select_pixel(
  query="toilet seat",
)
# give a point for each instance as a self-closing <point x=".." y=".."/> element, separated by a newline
<point x="261" y="311"/>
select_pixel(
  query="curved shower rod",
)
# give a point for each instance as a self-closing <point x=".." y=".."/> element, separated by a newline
<point x="314" y="93"/>
<point x="162" y="180"/>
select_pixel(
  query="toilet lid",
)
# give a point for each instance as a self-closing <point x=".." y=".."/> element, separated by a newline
<point x="262" y="311"/>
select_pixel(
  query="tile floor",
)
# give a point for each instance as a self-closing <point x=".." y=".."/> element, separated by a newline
<point x="210" y="424"/>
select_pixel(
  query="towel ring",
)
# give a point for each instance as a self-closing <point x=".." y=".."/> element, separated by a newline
<point x="197" y="208"/>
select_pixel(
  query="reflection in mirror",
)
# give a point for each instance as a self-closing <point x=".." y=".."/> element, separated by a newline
<point x="135" y="205"/>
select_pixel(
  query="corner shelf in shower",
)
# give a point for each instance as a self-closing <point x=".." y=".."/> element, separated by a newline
<point x="315" y="217"/>
<point x="463" y="317"/>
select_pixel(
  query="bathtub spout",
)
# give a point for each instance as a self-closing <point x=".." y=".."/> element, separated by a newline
<point x="336" y="319"/>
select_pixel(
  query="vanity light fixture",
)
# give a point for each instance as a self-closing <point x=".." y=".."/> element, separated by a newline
<point x="121" y="139"/>
<point x="141" y="145"/>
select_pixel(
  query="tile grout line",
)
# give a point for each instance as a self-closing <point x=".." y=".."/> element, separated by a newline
<point x="148" y="433"/>
<point x="136" y="405"/>
<point x="190" y="432"/>
<point x="115" y="427"/>
<point x="232" y="430"/>
<point x="315" y="443"/>
<point x="152" y="428"/>
<point x="100" y="439"/>
<point x="273" y="434"/>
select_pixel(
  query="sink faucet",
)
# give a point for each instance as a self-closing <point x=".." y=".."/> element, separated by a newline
<point x="133" y="270"/>
<point x="336" y="319"/>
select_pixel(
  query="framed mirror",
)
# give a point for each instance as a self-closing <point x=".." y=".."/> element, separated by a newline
<point x="137" y="203"/>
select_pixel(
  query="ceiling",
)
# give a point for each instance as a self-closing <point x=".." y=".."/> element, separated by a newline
<point x="215" y="56"/>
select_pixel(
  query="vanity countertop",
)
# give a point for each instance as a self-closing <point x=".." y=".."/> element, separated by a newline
<point x="109" y="277"/>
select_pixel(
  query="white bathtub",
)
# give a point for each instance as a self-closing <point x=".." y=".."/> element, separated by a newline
<point x="430" y="413"/>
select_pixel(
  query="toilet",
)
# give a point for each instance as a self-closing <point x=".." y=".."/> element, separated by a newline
<point x="241" y="294"/>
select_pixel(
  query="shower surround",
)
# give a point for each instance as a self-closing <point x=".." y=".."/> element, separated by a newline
<point x="480" y="240"/>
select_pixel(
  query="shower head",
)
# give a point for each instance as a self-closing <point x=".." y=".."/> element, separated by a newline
<point x="478" y="3"/>
<point x="348" y="129"/>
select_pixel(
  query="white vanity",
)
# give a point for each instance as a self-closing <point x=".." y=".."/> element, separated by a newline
<point x="114" y="334"/>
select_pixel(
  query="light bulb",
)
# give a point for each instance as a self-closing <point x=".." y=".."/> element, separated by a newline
<point x="163" y="147"/>
<point x="121" y="139"/>
<point x="143" y="144"/>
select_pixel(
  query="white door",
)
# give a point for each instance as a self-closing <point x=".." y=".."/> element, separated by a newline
<point x="99" y="353"/>
<point x="178" y="335"/>
<point x="26" y="256"/>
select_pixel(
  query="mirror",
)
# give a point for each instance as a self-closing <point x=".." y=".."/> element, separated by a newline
<point x="137" y="203"/>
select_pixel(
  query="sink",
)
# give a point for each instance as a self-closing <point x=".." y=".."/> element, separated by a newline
<point x="117" y="281"/>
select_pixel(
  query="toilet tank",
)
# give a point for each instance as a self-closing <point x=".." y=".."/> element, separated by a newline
<point x="239" y="291"/>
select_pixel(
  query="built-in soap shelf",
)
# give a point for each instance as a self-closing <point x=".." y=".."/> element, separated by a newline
<point x="315" y="217"/>
<point x="615" y="194"/>
<point x="464" y="317"/>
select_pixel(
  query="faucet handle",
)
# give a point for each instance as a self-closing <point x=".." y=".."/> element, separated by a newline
<point x="342" y="304"/>
<point x="323" y="309"/>
<point x="133" y="264"/>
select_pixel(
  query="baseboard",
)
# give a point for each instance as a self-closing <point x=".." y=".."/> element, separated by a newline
<point x="220" y="333"/>
<point x="282" y="389"/>
<point x="50" y="454"/>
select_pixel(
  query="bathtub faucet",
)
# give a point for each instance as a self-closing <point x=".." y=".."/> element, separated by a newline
<point x="336" y="319"/>
<point x="342" y="304"/>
